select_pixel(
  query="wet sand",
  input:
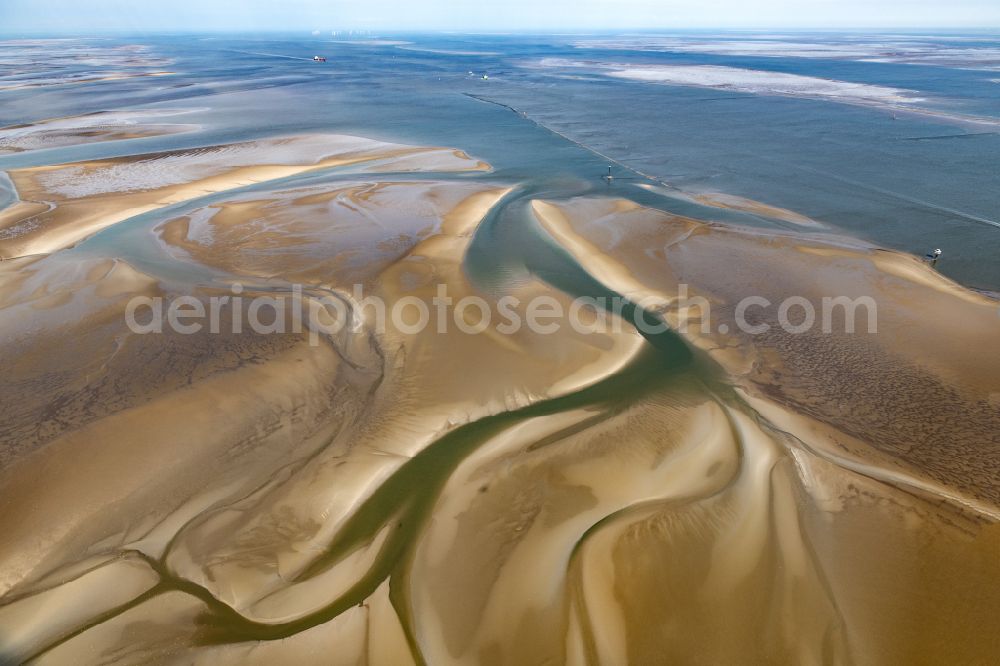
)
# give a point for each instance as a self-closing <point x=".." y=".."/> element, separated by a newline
<point x="61" y="205"/>
<point x="919" y="353"/>
<point x="90" y="128"/>
<point x="280" y="441"/>
<point x="904" y="420"/>
<point x="116" y="76"/>
<point x="744" y="80"/>
<point x="733" y="202"/>
<point x="392" y="495"/>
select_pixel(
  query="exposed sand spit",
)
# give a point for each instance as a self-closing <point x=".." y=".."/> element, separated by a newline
<point x="731" y="201"/>
<point x="918" y="366"/>
<point x="390" y="494"/>
<point x="93" y="127"/>
<point x="61" y="205"/>
<point x="763" y="82"/>
<point x="316" y="235"/>
<point x="680" y="527"/>
<point x="752" y="81"/>
<point x="912" y="49"/>
<point x="861" y="437"/>
<point x="256" y="511"/>
<point x="419" y="400"/>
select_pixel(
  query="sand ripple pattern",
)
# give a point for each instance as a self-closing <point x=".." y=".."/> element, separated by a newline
<point x="391" y="497"/>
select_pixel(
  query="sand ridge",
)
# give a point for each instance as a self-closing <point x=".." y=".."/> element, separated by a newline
<point x="394" y="496"/>
<point x="81" y="199"/>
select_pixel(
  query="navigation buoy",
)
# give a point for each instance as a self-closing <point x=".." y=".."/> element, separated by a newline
<point x="608" y="177"/>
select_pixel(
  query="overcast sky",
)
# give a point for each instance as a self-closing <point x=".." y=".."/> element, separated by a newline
<point x="83" y="16"/>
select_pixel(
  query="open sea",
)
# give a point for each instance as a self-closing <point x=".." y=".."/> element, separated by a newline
<point x="911" y="181"/>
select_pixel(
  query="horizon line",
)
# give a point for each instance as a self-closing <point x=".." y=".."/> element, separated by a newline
<point x="370" y="33"/>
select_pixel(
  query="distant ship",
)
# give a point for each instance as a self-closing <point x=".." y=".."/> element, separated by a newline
<point x="319" y="58"/>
